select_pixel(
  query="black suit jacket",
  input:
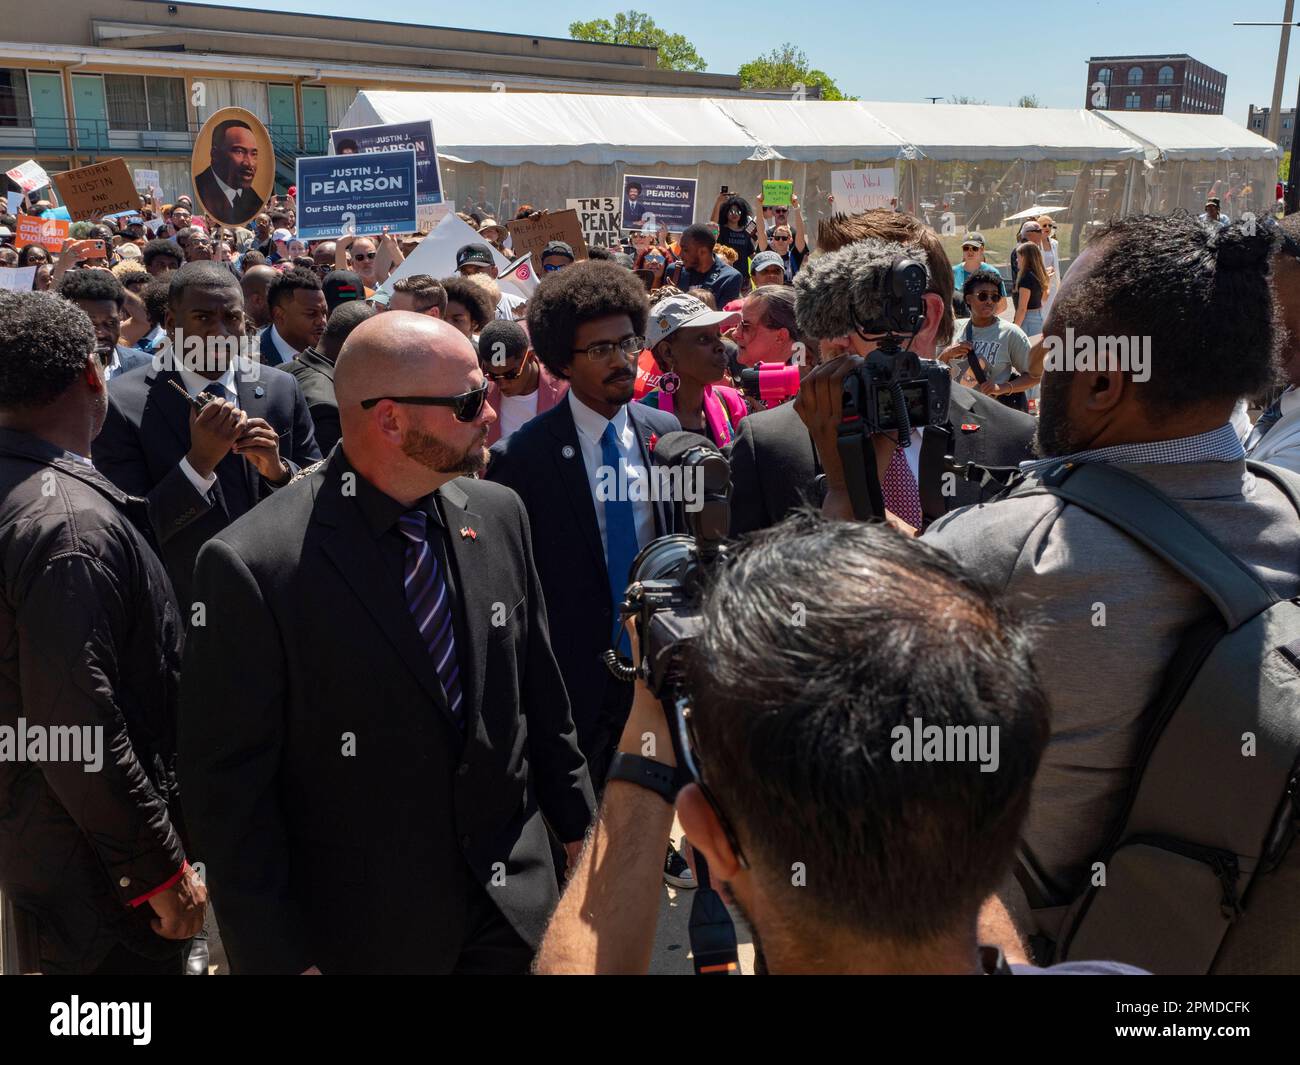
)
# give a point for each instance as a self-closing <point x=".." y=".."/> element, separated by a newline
<point x="774" y="465"/>
<point x="315" y="376"/>
<point x="246" y="204"/>
<point x="147" y="432"/>
<point x="362" y="862"/>
<point x="270" y="353"/>
<point x="542" y="461"/>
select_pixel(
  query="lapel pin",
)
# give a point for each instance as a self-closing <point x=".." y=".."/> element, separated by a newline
<point x="650" y="444"/>
<point x="969" y="428"/>
<point x="467" y="533"/>
<point x="259" y="391"/>
<point x="567" y="451"/>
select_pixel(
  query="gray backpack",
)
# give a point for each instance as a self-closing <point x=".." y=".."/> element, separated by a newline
<point x="1200" y="872"/>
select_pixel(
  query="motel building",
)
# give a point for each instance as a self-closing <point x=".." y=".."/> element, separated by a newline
<point x="87" y="80"/>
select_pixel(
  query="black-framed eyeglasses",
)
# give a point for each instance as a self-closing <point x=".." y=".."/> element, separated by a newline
<point x="465" y="407"/>
<point x="629" y="345"/>
<point x="689" y="747"/>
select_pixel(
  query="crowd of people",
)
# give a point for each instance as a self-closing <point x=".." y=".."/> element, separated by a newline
<point x="327" y="557"/>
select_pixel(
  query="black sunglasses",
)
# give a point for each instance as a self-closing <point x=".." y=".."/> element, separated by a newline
<point x="986" y="297"/>
<point x="513" y="375"/>
<point x="465" y="407"/>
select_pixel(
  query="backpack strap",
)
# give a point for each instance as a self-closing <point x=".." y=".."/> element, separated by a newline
<point x="1154" y="520"/>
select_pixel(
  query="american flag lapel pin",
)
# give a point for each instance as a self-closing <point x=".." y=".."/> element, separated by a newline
<point x="467" y="533"/>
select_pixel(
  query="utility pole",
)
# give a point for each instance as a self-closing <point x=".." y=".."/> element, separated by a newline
<point x="1275" y="112"/>
<point x="1291" y="200"/>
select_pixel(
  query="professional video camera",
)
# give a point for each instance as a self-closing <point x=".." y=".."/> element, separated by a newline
<point x="665" y="590"/>
<point x="878" y="292"/>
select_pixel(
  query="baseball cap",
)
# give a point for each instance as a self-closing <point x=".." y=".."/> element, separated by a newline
<point x="765" y="260"/>
<point x="675" y="312"/>
<point x="474" y="253"/>
<point x="281" y="234"/>
<point x="973" y="238"/>
<point x="558" y="247"/>
<point x="342" y="286"/>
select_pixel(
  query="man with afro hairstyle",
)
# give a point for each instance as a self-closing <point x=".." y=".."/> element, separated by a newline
<point x="587" y="325"/>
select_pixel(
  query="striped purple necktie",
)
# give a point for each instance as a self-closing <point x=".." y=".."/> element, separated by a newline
<point x="430" y="604"/>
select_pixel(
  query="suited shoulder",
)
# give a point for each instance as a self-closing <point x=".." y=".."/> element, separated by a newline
<point x="998" y="414"/>
<point x="274" y="377"/>
<point x="488" y="497"/>
<point x="272" y="530"/>
<point x="660" y="421"/>
<point x="525" y="439"/>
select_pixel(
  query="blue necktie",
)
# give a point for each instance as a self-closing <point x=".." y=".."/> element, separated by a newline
<point x="217" y="390"/>
<point x="620" y="530"/>
<point x="428" y="600"/>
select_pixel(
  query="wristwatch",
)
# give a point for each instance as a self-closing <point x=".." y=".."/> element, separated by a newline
<point x="657" y="777"/>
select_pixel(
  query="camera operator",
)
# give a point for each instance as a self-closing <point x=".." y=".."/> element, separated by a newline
<point x="843" y="855"/>
<point x="779" y="457"/>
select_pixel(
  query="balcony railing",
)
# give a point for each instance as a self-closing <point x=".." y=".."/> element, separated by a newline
<point x="98" y="137"/>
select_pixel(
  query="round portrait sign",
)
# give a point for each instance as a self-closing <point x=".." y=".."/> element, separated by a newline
<point x="233" y="166"/>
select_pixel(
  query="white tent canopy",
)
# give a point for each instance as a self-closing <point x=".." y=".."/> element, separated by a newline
<point x="1172" y="137"/>
<point x="554" y="129"/>
<point x="979" y="132"/>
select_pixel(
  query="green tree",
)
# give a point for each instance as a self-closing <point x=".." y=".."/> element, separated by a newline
<point x="1028" y="100"/>
<point x="1284" y="167"/>
<point x="786" y="68"/>
<point x="635" y="27"/>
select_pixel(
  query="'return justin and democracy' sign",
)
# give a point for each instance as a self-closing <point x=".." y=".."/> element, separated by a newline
<point x="655" y="201"/>
<point x="398" y="137"/>
<point x="361" y="194"/>
<point x="91" y="192"/>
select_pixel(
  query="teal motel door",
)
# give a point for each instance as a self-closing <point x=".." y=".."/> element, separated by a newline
<point x="49" y="112"/>
<point x="91" y="112"/>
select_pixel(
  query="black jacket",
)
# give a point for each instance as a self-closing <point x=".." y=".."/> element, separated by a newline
<point x="89" y="637"/>
<point x="364" y="861"/>
<point x="147" y="433"/>
<point x="315" y="376"/>
<point x="774" y="467"/>
<point x="214" y="201"/>
<point x="542" y="461"/>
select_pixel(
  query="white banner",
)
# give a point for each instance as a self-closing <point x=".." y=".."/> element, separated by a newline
<point x="862" y="190"/>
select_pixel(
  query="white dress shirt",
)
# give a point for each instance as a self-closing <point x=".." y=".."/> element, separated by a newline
<point x="1280" y="446"/>
<point x="194" y="384"/>
<point x="282" y="345"/>
<point x="229" y="193"/>
<point x="591" y="426"/>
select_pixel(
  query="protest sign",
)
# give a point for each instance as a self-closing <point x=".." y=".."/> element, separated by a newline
<point x="362" y="194"/>
<point x="90" y="192"/>
<point x="428" y="215"/>
<point x="655" y="201"/>
<point x="777" y="193"/>
<point x="15" y="200"/>
<point x="148" y="181"/>
<point x="531" y="235"/>
<point x="29" y="176"/>
<point x="398" y="137"/>
<point x="17" y="279"/>
<point x="234" y="150"/>
<point x="599" y="218"/>
<point x="435" y="255"/>
<point x="862" y="190"/>
<point x="49" y="233"/>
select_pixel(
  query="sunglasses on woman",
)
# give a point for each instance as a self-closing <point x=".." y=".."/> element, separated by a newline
<point x="465" y="407"/>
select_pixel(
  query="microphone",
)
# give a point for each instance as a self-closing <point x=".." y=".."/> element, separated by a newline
<point x="703" y="497"/>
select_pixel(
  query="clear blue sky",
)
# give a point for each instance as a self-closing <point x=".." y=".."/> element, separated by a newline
<point x="963" y="48"/>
